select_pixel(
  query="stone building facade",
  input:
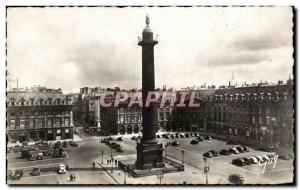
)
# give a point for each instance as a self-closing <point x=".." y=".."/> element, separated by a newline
<point x="38" y="114"/>
<point x="261" y="115"/>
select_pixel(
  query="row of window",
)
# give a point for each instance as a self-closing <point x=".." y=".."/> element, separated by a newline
<point x="39" y="123"/>
<point x="32" y="102"/>
<point x="249" y="109"/>
<point x="31" y="113"/>
<point x="249" y="97"/>
<point x="129" y="118"/>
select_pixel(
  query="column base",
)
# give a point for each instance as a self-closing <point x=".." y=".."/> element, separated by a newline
<point x="149" y="156"/>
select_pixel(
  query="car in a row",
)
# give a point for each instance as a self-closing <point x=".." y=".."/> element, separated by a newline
<point x="226" y="152"/>
<point x="177" y="135"/>
<point x="253" y="160"/>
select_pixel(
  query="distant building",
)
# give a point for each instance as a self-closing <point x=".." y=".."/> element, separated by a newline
<point x="38" y="114"/>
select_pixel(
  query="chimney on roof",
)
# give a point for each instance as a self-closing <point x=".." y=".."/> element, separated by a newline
<point x="228" y="83"/>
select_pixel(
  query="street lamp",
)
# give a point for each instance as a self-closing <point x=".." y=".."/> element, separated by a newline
<point x="112" y="160"/>
<point x="160" y="176"/>
<point x="206" y="169"/>
<point x="182" y="156"/>
<point x="102" y="156"/>
<point x="125" y="169"/>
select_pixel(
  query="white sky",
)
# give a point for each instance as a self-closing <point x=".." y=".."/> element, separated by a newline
<point x="70" y="48"/>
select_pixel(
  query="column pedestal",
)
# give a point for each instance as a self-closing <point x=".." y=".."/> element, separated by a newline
<point x="149" y="156"/>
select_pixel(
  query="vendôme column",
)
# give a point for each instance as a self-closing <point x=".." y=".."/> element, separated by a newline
<point x="149" y="152"/>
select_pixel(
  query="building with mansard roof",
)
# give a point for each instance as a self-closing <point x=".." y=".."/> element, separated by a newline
<point x="38" y="114"/>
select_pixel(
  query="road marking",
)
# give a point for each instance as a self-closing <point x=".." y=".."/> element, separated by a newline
<point x="33" y="166"/>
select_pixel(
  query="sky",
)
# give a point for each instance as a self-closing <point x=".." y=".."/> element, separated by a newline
<point x="70" y="48"/>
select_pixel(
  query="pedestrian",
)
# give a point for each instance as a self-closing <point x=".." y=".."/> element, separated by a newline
<point x="93" y="165"/>
<point x="67" y="167"/>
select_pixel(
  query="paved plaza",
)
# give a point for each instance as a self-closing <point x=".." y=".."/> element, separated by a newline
<point x="80" y="162"/>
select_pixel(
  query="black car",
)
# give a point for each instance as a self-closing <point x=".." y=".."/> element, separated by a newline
<point x="119" y="149"/>
<point x="172" y="136"/>
<point x="194" y="141"/>
<point x="119" y="139"/>
<point x="167" y="137"/>
<point x="233" y="151"/>
<point x="239" y="162"/>
<point x="246" y="149"/>
<point x="208" y="138"/>
<point x="182" y="136"/>
<point x="133" y="138"/>
<point x="200" y="138"/>
<point x="175" y="143"/>
<point x="240" y="149"/>
<point x="187" y="135"/>
<point x="176" y="136"/>
<point x="196" y="134"/>
<point x="214" y="153"/>
<point x="248" y="161"/>
<point x="157" y="136"/>
<point x="110" y="138"/>
<point x="236" y="179"/>
<point x="208" y="155"/>
<point x="224" y="152"/>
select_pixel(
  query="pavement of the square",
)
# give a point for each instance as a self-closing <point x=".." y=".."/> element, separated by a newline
<point x="80" y="162"/>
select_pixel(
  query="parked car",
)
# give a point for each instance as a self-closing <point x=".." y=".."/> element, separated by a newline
<point x="260" y="159"/>
<point x="133" y="138"/>
<point x="182" y="135"/>
<point x="246" y="149"/>
<point x="192" y="135"/>
<point x="119" y="149"/>
<point x="167" y="137"/>
<point x="208" y="155"/>
<point x="187" y="135"/>
<point x="66" y="144"/>
<point x="208" y="138"/>
<point x="254" y="160"/>
<point x="196" y="134"/>
<point x="224" y="152"/>
<point x="239" y="162"/>
<point x="157" y="136"/>
<point x="73" y="144"/>
<point x="115" y="146"/>
<point x="119" y="139"/>
<point x="18" y="174"/>
<point x="214" y="153"/>
<point x="172" y="136"/>
<point x="35" y="171"/>
<point x="240" y="149"/>
<point x="194" y="141"/>
<point x="248" y="161"/>
<point x="200" y="138"/>
<point x="175" y="143"/>
<point x="236" y="179"/>
<point x="266" y="158"/>
<point x="233" y="150"/>
<point x="177" y="135"/>
<point x="110" y="138"/>
<point x="61" y="169"/>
